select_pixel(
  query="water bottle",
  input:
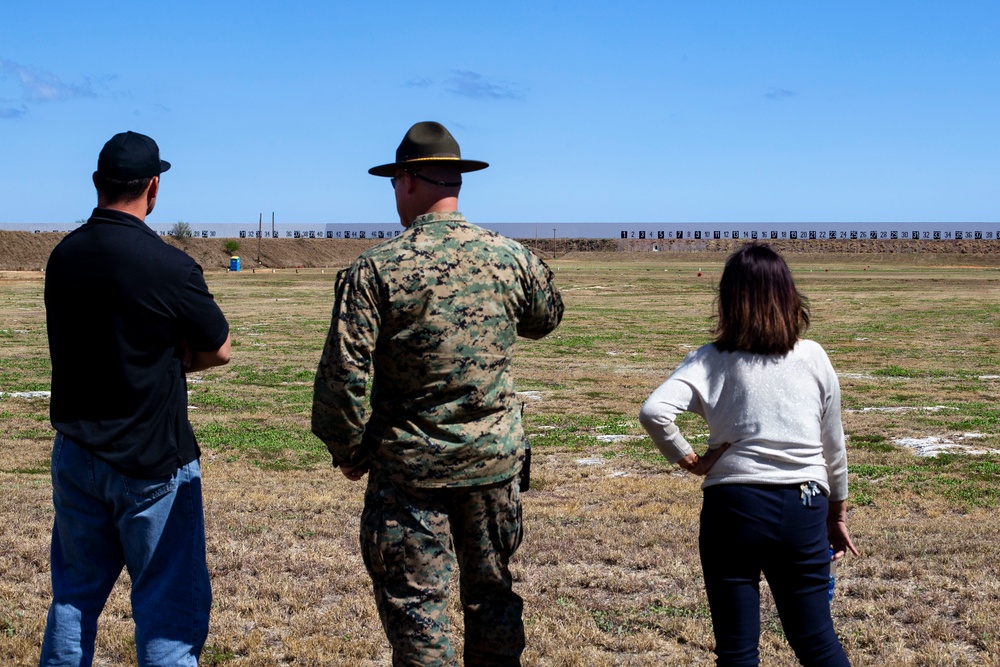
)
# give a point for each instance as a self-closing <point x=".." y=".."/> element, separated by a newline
<point x="833" y="575"/>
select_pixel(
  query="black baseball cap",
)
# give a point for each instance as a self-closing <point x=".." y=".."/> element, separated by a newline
<point x="129" y="156"/>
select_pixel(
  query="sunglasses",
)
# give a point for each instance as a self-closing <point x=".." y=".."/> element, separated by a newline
<point x="443" y="184"/>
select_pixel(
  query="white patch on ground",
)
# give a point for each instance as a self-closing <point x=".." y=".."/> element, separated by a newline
<point x="592" y="461"/>
<point x="905" y="408"/>
<point x="27" y="394"/>
<point x="531" y="396"/>
<point x="618" y="473"/>
<point x="618" y="438"/>
<point x="601" y="428"/>
<point x="869" y="376"/>
<point x="933" y="445"/>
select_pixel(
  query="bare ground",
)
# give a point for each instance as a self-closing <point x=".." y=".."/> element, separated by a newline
<point x="25" y="251"/>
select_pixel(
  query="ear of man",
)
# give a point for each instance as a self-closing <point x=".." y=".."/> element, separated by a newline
<point x="151" y="192"/>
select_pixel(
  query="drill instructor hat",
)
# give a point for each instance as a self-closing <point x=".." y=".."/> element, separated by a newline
<point x="427" y="143"/>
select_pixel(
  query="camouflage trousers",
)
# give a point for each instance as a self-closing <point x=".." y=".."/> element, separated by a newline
<point x="411" y="540"/>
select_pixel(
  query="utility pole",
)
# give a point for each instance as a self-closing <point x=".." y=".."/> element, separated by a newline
<point x="260" y="228"/>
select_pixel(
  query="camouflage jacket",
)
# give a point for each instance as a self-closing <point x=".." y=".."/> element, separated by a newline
<point x="431" y="317"/>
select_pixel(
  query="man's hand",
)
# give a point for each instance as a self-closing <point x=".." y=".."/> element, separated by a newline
<point x="192" y="361"/>
<point x="700" y="465"/>
<point x="354" y="473"/>
<point x="187" y="356"/>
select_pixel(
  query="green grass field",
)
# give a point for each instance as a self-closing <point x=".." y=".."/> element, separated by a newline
<point x="609" y="567"/>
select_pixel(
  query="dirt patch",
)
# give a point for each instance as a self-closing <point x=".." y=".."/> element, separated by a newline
<point x="914" y="253"/>
<point x="26" y="251"/>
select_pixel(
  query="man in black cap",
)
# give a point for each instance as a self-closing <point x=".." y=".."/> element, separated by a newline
<point x="432" y="315"/>
<point x="128" y="316"/>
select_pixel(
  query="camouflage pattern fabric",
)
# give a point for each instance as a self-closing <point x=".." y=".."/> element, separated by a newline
<point x="432" y="316"/>
<point x="410" y="541"/>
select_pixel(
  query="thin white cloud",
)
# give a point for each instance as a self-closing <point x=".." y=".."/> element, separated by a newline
<point x="38" y="86"/>
<point x="10" y="112"/>
<point x="474" y="85"/>
<point x="779" y="93"/>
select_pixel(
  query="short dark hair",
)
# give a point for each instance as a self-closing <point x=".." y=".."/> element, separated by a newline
<point x="759" y="308"/>
<point x="114" y="191"/>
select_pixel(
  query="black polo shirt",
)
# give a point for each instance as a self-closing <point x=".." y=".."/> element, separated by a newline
<point x="119" y="303"/>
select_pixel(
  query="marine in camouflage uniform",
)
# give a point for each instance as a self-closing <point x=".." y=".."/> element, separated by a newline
<point x="432" y="317"/>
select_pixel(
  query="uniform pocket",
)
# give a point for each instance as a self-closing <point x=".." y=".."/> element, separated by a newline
<point x="372" y="533"/>
<point x="140" y="490"/>
<point x="511" y="527"/>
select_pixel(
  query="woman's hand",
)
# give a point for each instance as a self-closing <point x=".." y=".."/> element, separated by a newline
<point x="836" y="529"/>
<point x="700" y="465"/>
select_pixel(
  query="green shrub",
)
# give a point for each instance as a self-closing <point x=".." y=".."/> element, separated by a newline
<point x="181" y="230"/>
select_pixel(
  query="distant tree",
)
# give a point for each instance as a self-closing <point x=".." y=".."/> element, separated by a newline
<point x="181" y="230"/>
<point x="81" y="221"/>
<point x="232" y="246"/>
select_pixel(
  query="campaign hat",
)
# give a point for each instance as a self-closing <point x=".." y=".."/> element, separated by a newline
<point x="130" y="156"/>
<point x="427" y="143"/>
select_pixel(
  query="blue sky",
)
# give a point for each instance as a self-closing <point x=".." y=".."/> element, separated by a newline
<point x="642" y="111"/>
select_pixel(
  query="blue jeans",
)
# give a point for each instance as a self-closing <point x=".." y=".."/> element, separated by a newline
<point x="748" y="529"/>
<point x="154" y="527"/>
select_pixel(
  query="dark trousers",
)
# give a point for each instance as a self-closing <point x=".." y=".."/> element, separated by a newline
<point x="750" y="529"/>
<point x="411" y="540"/>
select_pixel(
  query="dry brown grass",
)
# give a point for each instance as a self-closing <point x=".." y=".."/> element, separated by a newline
<point x="609" y="568"/>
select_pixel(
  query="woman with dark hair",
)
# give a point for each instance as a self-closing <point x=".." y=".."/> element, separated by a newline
<point x="775" y="472"/>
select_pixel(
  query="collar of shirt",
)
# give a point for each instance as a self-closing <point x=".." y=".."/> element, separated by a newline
<point x="443" y="216"/>
<point x="110" y="215"/>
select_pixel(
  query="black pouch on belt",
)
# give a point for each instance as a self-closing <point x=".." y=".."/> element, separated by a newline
<point x="525" y="482"/>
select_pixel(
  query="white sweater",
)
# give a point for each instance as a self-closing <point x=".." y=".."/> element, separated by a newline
<point x="781" y="415"/>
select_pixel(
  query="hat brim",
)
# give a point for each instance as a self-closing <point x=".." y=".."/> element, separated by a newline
<point x="461" y="165"/>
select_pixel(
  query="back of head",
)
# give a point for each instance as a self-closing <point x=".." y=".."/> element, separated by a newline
<point x="759" y="308"/>
<point x="126" y="165"/>
<point x="112" y="191"/>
